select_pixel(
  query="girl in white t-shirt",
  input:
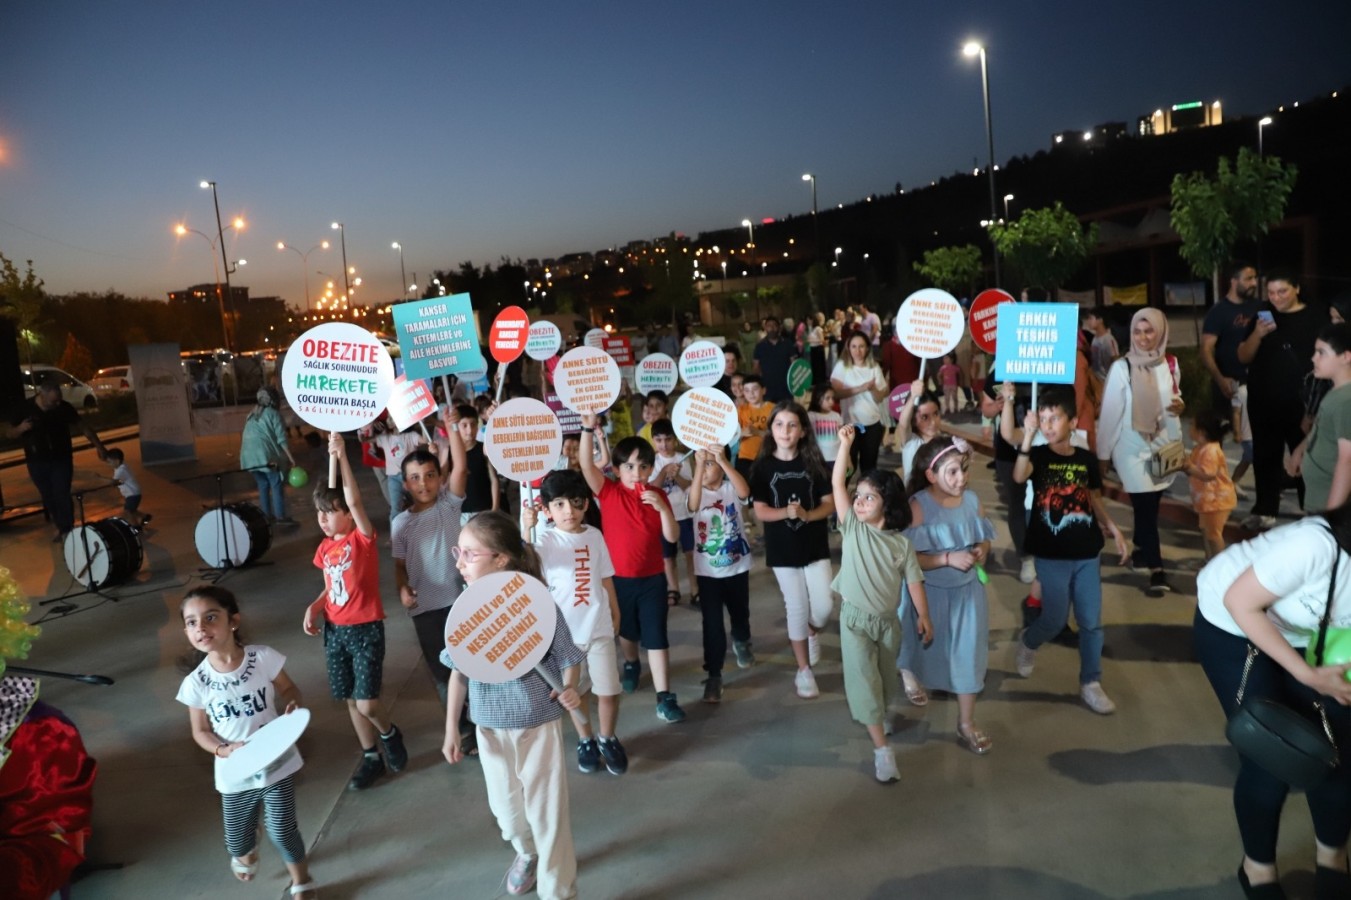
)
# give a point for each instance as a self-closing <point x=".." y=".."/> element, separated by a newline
<point x="920" y="421"/>
<point x="826" y="420"/>
<point x="859" y="388"/>
<point x="235" y="689"/>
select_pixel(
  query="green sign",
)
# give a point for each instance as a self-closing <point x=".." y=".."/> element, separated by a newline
<point x="800" y="378"/>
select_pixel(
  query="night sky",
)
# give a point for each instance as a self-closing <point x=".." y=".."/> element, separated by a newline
<point x="472" y="130"/>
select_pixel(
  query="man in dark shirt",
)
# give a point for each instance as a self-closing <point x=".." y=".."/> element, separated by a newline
<point x="43" y="423"/>
<point x="773" y="356"/>
<point x="1226" y="325"/>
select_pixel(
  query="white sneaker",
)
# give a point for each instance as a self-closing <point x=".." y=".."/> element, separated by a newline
<point x="813" y="649"/>
<point x="1259" y="523"/>
<point x="884" y="765"/>
<point x="1028" y="572"/>
<point x="1024" y="660"/>
<point x="1096" y="699"/>
<point x="805" y="682"/>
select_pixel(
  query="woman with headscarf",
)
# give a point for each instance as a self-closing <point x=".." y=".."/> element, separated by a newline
<point x="262" y="452"/>
<point x="1141" y="405"/>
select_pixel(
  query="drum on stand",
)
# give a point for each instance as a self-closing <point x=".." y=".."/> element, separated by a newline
<point x="233" y="535"/>
<point x="103" y="553"/>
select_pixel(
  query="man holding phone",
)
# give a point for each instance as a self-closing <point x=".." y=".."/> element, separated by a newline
<point x="1227" y="323"/>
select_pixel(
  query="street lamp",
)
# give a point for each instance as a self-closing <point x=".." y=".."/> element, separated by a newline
<point x="975" y="48"/>
<point x="724" y="276"/>
<point x="238" y="224"/>
<point x="816" y="223"/>
<point x="1261" y="123"/>
<point x="228" y="296"/>
<point x="304" y="263"/>
<point x="1007" y="198"/>
<point x="342" y="233"/>
<point x="755" y="282"/>
<point x="402" y="274"/>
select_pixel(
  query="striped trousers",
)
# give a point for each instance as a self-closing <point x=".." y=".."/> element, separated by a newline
<point x="278" y="804"/>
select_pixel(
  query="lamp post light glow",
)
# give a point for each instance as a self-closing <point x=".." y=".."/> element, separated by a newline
<point x="816" y="223"/>
<point x="1007" y="198"/>
<point x="1261" y="123"/>
<point x="971" y="49"/>
<point x="227" y="297"/>
<point x="304" y="263"/>
<point x="342" y="235"/>
<point x="238" y="224"/>
<point x="403" y="275"/>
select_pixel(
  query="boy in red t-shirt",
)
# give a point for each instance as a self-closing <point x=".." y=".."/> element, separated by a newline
<point x="633" y="515"/>
<point x="351" y="616"/>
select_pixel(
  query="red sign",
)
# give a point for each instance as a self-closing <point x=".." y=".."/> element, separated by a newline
<point x="985" y="317"/>
<point x="410" y="402"/>
<point x="506" y="339"/>
<point x="619" y="349"/>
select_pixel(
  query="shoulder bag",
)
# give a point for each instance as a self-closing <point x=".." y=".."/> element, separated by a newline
<point x="1282" y="740"/>
<point x="1170" y="456"/>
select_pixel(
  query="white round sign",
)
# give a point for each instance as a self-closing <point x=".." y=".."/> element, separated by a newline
<point x="543" y="340"/>
<point x="478" y="373"/>
<point x="702" y="364"/>
<point x="587" y="380"/>
<point x="337" y="377"/>
<point x="524" y="439"/>
<point x="501" y="627"/>
<point x="655" y="372"/>
<point x="265" y="746"/>
<point x="595" y="338"/>
<point x="705" y="416"/>
<point x="929" y="323"/>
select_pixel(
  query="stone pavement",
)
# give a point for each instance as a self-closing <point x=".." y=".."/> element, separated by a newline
<point x="765" y="795"/>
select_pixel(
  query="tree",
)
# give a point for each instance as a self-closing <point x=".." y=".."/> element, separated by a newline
<point x="76" y="360"/>
<point x="21" y="300"/>
<point x="954" y="269"/>
<point x="1240" y="203"/>
<point x="1046" y="245"/>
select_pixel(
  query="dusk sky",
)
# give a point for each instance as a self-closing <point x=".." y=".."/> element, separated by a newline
<point x="472" y="130"/>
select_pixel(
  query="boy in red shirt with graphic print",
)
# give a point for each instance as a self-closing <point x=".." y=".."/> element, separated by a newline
<point x="351" y="616"/>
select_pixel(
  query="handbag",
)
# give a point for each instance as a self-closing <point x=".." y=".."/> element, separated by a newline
<point x="1279" y="739"/>
<point x="1165" y="460"/>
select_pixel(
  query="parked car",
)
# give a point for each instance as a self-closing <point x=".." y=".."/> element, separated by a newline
<point x="73" y="390"/>
<point x="112" y="381"/>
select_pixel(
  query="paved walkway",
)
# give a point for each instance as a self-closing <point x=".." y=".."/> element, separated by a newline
<point x="765" y="795"/>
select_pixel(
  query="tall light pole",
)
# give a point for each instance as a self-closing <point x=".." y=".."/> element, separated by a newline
<point x="304" y="263"/>
<point x="755" y="279"/>
<point x="816" y="223"/>
<point x="228" y="298"/>
<point x="402" y="274"/>
<point x="342" y="234"/>
<point x="238" y="224"/>
<point x="975" y="48"/>
<point x="1007" y="198"/>
<point x="1261" y="123"/>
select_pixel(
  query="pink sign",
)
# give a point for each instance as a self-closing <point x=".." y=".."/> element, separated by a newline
<point x="410" y="402"/>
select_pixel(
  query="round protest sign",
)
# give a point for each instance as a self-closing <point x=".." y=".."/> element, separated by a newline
<point x="506" y="338"/>
<point x="800" y="378"/>
<point x="705" y="416"/>
<point x="897" y="399"/>
<point x="595" y="338"/>
<point x="701" y="364"/>
<point x="984" y="317"/>
<point x="544" y="340"/>
<point x="929" y="323"/>
<point x="265" y="746"/>
<point x="655" y="372"/>
<point x="478" y="373"/>
<point x="524" y="439"/>
<point x="500" y="627"/>
<point x="337" y="377"/>
<point x="587" y="380"/>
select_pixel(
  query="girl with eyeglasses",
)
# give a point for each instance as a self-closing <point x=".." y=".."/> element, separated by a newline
<point x="951" y="535"/>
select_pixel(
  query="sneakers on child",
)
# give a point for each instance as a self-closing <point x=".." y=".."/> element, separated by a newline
<point x="396" y="754"/>
<point x="813" y="649"/>
<point x="628" y="680"/>
<point x="1027" y="573"/>
<point x="521" y="875"/>
<point x="1158" y="583"/>
<point x="744" y="657"/>
<point x="884" y="765"/>
<point x="616" y="759"/>
<point x="1024" y="658"/>
<point x="668" y="710"/>
<point x="1096" y="698"/>
<point x="370" y="768"/>
<point x="713" y="689"/>
<point x="588" y="756"/>
<point x="805" y="682"/>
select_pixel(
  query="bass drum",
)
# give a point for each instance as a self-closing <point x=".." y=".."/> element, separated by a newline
<point x="103" y="553"/>
<point x="233" y="535"/>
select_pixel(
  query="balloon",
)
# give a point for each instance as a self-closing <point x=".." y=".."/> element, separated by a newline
<point x="297" y="477"/>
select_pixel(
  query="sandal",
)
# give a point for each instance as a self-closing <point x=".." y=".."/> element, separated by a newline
<point x="673" y="598"/>
<point x="244" y="871"/>
<point x="308" y="887"/>
<point x="975" y="740"/>
<point x="914" y="691"/>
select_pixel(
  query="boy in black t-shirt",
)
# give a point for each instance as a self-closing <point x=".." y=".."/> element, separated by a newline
<point x="1065" y="535"/>
<point x="483" y="490"/>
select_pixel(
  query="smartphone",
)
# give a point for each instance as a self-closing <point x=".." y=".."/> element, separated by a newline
<point x="1266" y="316"/>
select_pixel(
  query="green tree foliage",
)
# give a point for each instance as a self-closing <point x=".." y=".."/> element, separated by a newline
<point x="1240" y="203"/>
<point x="21" y="300"/>
<point x="1046" y="245"/>
<point x="954" y="269"/>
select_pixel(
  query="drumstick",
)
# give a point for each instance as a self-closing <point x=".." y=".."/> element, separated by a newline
<point x="98" y="548"/>
<point x="332" y="469"/>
